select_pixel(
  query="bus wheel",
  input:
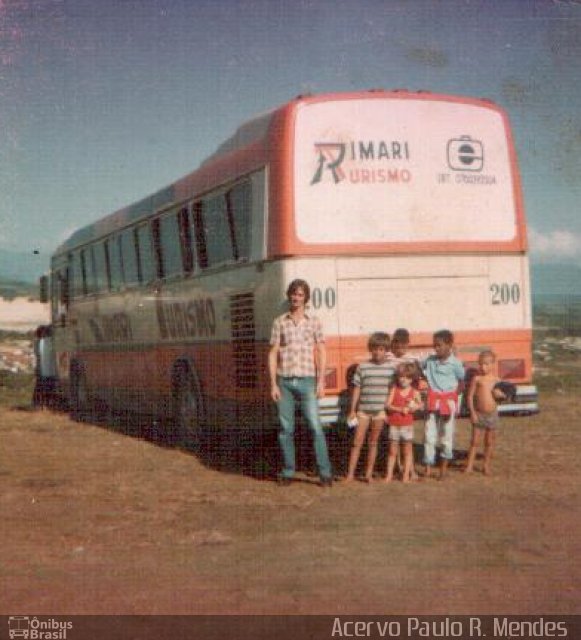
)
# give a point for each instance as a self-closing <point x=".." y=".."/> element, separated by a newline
<point x="188" y="410"/>
<point x="79" y="396"/>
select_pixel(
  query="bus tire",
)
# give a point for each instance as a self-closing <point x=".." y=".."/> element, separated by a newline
<point x="79" y="395"/>
<point x="188" y="410"/>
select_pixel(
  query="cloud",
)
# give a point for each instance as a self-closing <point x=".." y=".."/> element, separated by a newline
<point x="558" y="245"/>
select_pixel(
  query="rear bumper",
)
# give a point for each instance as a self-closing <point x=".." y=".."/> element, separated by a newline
<point x="333" y="409"/>
<point x="526" y="402"/>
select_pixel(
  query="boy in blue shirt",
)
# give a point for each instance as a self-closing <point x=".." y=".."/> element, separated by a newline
<point x="444" y="372"/>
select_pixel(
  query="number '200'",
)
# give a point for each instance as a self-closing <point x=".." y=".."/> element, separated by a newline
<point x="328" y="297"/>
<point x="505" y="293"/>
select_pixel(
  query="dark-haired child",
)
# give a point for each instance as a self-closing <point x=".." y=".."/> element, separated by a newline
<point x="444" y="373"/>
<point x="367" y="406"/>
<point x="399" y="350"/>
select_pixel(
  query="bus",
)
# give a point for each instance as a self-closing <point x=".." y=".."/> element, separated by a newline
<point x="400" y="208"/>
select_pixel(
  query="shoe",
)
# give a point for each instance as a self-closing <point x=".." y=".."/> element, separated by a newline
<point x="283" y="481"/>
<point x="326" y="482"/>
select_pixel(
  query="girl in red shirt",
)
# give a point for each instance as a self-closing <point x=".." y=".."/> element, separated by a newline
<point x="403" y="400"/>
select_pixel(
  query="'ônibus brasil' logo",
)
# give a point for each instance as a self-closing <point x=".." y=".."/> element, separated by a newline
<point x="361" y="161"/>
<point x="36" y="628"/>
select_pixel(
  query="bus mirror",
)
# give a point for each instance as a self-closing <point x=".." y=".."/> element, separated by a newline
<point x="43" y="288"/>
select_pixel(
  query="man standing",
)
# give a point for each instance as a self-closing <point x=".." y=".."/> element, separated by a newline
<point x="296" y="364"/>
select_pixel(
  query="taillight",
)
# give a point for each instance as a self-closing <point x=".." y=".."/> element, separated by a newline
<point x="331" y="378"/>
<point x="511" y="368"/>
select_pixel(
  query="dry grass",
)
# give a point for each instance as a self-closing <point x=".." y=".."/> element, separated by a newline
<point x="96" y="521"/>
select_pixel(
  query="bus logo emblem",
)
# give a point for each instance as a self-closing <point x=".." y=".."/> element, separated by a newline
<point x="331" y="156"/>
<point x="465" y="154"/>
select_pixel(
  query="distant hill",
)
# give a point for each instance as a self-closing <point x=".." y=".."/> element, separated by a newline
<point x="552" y="281"/>
<point x="9" y="290"/>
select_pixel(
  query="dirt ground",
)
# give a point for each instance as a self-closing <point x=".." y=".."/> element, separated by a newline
<point x="100" y="519"/>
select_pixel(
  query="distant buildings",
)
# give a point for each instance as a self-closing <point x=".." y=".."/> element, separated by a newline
<point x="17" y="356"/>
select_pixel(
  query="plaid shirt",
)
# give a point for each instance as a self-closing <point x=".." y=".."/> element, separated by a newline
<point x="296" y="341"/>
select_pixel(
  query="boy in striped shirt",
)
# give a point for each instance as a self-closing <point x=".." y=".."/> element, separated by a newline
<point x="368" y="396"/>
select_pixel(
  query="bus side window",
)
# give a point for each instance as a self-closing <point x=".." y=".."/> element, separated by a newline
<point x="239" y="204"/>
<point x="60" y="295"/>
<point x="78" y="280"/>
<point x="128" y="248"/>
<point x="156" y="249"/>
<point x="167" y="236"/>
<point x="199" y="236"/>
<point x="88" y="270"/>
<point x="216" y="230"/>
<point x="102" y="280"/>
<point x="115" y="263"/>
<point x="186" y="240"/>
<point x="145" y="254"/>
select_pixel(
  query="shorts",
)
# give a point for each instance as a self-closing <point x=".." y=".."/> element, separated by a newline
<point x="371" y="415"/>
<point x="488" y="421"/>
<point x="375" y="420"/>
<point x="401" y="434"/>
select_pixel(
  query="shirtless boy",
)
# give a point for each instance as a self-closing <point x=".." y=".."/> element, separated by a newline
<point x="482" y="399"/>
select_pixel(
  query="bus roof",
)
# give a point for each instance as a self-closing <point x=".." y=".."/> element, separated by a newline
<point x="251" y="133"/>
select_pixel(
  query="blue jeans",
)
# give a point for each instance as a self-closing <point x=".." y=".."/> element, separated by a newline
<point x="303" y="391"/>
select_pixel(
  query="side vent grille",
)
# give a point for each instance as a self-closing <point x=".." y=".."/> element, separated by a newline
<point x="244" y="340"/>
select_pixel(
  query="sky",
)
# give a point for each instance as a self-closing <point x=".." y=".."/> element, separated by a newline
<point x="104" y="102"/>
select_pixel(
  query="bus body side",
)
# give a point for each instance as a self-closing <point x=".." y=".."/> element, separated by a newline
<point x="128" y="344"/>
